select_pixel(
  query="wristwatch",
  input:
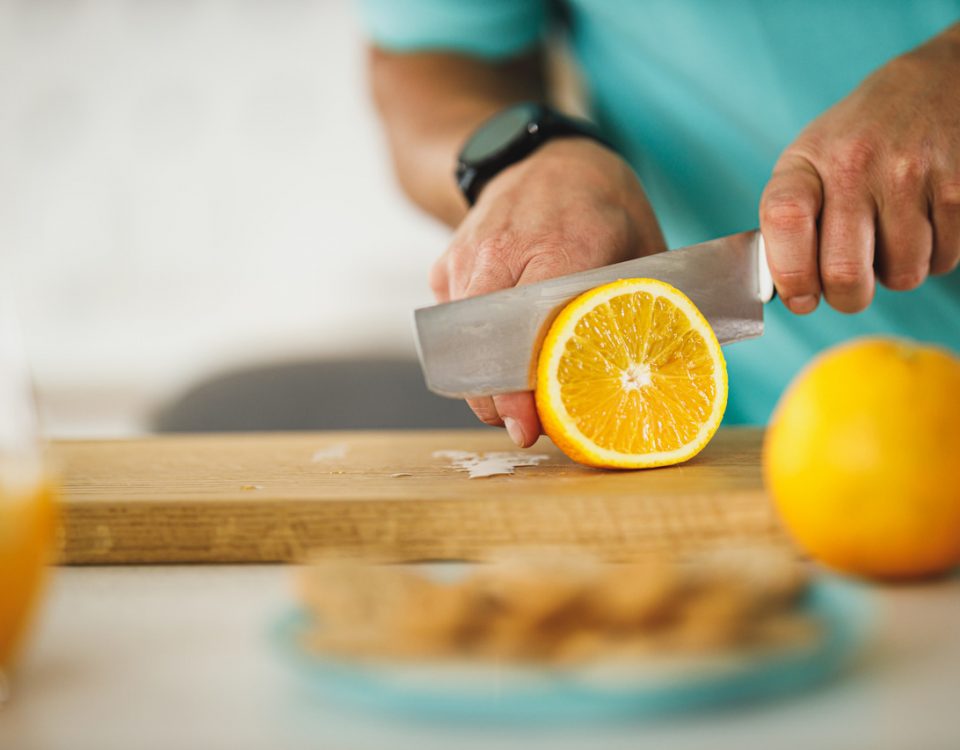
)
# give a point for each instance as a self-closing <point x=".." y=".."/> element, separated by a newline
<point x="512" y="135"/>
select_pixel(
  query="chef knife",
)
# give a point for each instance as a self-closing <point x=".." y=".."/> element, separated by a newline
<point x="489" y="344"/>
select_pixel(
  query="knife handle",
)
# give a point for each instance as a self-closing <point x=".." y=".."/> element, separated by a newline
<point x="764" y="280"/>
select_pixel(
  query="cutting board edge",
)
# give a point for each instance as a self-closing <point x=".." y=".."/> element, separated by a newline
<point x="397" y="530"/>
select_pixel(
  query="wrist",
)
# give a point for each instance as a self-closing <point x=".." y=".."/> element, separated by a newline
<point x="953" y="32"/>
<point x="510" y="136"/>
<point x="943" y="48"/>
<point x="559" y="162"/>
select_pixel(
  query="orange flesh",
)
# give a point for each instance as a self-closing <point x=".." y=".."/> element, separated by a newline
<point x="636" y="377"/>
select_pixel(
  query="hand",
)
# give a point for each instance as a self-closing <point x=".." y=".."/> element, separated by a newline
<point x="871" y="187"/>
<point x="569" y="206"/>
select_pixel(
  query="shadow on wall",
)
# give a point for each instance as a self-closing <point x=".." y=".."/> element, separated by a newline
<point x="314" y="395"/>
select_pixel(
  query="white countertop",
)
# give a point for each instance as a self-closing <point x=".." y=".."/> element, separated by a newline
<point x="137" y="658"/>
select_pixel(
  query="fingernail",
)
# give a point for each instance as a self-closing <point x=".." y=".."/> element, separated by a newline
<point x="805" y="303"/>
<point x="514" y="430"/>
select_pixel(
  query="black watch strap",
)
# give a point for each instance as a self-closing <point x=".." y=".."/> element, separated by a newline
<point x="510" y="136"/>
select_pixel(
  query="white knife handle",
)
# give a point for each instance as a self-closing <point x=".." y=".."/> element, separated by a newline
<point x="764" y="279"/>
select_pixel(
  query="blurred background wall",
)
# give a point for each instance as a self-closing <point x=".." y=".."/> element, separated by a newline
<point x="193" y="187"/>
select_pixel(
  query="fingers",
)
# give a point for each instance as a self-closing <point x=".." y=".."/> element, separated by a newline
<point x="519" y="414"/>
<point x="515" y="411"/>
<point x="945" y="210"/>
<point x="439" y="279"/>
<point x="846" y="255"/>
<point x="486" y="410"/>
<point x="460" y="265"/>
<point x="492" y="265"/>
<point x="444" y="289"/>
<point x="788" y="220"/>
<point x="904" y="236"/>
<point x="840" y="217"/>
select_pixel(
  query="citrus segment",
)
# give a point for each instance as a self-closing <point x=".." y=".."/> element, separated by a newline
<point x="631" y="375"/>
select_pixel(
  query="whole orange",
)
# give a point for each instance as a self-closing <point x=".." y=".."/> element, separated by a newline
<point x="862" y="458"/>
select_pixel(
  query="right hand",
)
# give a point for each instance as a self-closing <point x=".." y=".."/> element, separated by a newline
<point x="570" y="206"/>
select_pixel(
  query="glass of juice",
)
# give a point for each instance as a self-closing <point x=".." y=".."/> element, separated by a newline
<point x="27" y="496"/>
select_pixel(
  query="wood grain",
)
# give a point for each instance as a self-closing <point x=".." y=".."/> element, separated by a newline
<point x="261" y="498"/>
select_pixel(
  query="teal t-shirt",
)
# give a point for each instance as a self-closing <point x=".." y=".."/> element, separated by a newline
<point x="701" y="96"/>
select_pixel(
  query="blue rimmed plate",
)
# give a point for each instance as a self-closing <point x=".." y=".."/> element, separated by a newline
<point x="599" y="691"/>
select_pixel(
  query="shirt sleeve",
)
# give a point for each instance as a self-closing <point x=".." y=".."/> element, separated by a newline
<point x="483" y="28"/>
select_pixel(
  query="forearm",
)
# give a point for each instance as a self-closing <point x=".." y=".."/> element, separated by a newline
<point x="952" y="33"/>
<point x="430" y="103"/>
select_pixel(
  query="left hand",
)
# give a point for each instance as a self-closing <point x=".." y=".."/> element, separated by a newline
<point x="569" y="206"/>
<point x="871" y="188"/>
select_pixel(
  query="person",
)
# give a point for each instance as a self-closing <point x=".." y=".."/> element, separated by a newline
<point x="839" y="121"/>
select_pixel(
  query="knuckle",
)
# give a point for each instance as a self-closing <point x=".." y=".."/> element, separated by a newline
<point x="788" y="212"/>
<point x="853" y="160"/>
<point x="495" y="248"/>
<point x="486" y="412"/>
<point x="546" y="264"/>
<point x="796" y="279"/>
<point x="509" y="256"/>
<point x="946" y="195"/>
<point x="906" y="173"/>
<point x="488" y="417"/>
<point x="844" y="276"/>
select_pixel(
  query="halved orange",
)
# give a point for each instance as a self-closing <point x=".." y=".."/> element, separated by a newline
<point x="631" y="376"/>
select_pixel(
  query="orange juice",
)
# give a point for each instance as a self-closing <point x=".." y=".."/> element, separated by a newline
<point x="27" y="530"/>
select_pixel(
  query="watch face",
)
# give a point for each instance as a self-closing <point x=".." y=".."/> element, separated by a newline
<point x="499" y="132"/>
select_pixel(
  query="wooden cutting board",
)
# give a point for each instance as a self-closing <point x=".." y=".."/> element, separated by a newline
<point x="384" y="495"/>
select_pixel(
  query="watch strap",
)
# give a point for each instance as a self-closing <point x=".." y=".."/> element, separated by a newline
<point x="546" y="125"/>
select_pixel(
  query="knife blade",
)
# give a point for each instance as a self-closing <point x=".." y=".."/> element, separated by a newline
<point x="489" y="344"/>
